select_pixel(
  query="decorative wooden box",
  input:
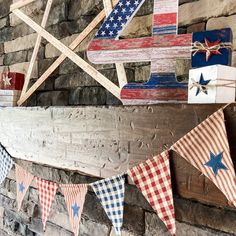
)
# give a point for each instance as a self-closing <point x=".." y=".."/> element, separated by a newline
<point x="212" y="84"/>
<point x="12" y="81"/>
<point x="212" y="48"/>
<point x="11" y="84"/>
<point x="9" y="98"/>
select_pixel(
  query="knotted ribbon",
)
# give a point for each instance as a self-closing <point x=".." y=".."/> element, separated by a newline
<point x="203" y="47"/>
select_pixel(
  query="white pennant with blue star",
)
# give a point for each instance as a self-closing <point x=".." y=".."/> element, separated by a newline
<point x="74" y="195"/>
<point x="23" y="181"/>
<point x="111" y="194"/>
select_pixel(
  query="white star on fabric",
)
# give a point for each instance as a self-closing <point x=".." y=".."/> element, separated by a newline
<point x="6" y="80"/>
<point x="136" y="3"/>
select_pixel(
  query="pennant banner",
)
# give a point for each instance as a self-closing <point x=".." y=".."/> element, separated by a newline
<point x="154" y="181"/>
<point x="6" y="163"/>
<point x="23" y="181"/>
<point x="206" y="148"/>
<point x="74" y="196"/>
<point x="111" y="193"/>
<point x="47" y="191"/>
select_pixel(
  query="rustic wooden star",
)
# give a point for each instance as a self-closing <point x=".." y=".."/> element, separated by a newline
<point x="212" y="48"/>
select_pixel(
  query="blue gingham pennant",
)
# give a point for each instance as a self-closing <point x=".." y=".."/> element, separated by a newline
<point x="6" y="163"/>
<point x="111" y="193"/>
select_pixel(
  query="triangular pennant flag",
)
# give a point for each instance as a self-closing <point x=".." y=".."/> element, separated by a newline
<point x="74" y="196"/>
<point x="6" y="163"/>
<point x="206" y="147"/>
<point x="111" y="194"/>
<point x="154" y="181"/>
<point x="23" y="181"/>
<point x="47" y="191"/>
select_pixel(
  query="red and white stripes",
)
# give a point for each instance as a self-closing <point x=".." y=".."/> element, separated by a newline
<point x="210" y="137"/>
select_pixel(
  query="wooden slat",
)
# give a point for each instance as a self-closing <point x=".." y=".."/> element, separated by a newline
<point x="36" y="48"/>
<point x="104" y="141"/>
<point x="20" y="4"/>
<point x="115" y="90"/>
<point x="140" y="49"/>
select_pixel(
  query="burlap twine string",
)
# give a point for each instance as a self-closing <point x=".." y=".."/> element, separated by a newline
<point x="202" y="47"/>
<point x="204" y="88"/>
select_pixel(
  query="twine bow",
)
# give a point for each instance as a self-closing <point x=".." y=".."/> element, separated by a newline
<point x="204" y="88"/>
<point x="209" y="47"/>
<point x="195" y="84"/>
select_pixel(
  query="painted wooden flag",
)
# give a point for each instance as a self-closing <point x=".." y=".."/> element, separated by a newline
<point x="119" y="18"/>
<point x="6" y="163"/>
<point x="74" y="197"/>
<point x="154" y="181"/>
<point x="206" y="148"/>
<point x="12" y="81"/>
<point x="23" y="181"/>
<point x="47" y="191"/>
<point x="111" y="193"/>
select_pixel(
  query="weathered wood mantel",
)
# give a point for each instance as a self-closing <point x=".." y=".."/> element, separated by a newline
<point x="103" y="141"/>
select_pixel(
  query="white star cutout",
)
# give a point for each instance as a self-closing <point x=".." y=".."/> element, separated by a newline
<point x="6" y="80"/>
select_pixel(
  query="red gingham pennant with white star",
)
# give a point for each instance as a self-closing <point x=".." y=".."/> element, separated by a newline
<point x="47" y="191"/>
<point x="154" y="181"/>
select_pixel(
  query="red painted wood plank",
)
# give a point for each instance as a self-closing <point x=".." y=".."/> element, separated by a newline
<point x="155" y="94"/>
<point x="146" y="42"/>
<point x="165" y="19"/>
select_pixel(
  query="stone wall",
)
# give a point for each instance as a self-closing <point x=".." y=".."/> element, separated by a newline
<point x="69" y="85"/>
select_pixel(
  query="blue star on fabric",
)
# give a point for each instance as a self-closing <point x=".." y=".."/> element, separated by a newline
<point x="216" y="163"/>
<point x="75" y="209"/>
<point x="21" y="187"/>
<point x="202" y="83"/>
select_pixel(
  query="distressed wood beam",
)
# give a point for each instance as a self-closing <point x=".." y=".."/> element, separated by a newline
<point x="113" y="140"/>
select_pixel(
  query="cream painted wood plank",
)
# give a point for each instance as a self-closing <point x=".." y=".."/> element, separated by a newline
<point x="20" y="3"/>
<point x="36" y="48"/>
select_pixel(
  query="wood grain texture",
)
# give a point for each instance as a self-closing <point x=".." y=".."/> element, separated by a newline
<point x="102" y="141"/>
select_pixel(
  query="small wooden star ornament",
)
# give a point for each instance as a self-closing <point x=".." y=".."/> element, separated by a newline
<point x="6" y="80"/>
<point x="212" y="48"/>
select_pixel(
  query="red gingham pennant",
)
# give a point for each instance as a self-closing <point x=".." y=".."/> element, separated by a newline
<point x="23" y="181"/>
<point x="47" y="191"/>
<point x="75" y="197"/>
<point x="154" y="181"/>
<point x="206" y="147"/>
